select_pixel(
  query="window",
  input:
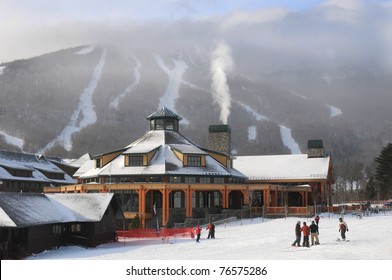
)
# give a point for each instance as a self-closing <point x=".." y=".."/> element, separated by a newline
<point x="98" y="163"/>
<point x="175" y="179"/>
<point x="155" y="179"/>
<point x="219" y="180"/>
<point x="76" y="228"/>
<point x="159" y="124"/>
<point x="135" y="160"/>
<point x="190" y="180"/>
<point x="194" y="160"/>
<point x="205" y="180"/>
<point x="56" y="230"/>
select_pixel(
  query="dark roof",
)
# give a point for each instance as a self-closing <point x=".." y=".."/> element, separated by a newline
<point x="219" y="128"/>
<point x="164" y="113"/>
<point x="315" y="144"/>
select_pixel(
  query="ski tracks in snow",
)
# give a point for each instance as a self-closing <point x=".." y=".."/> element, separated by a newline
<point x="85" y="114"/>
<point x="175" y="80"/>
<point x="116" y="101"/>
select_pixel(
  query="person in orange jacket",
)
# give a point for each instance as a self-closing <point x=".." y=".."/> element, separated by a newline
<point x="198" y="233"/>
<point x="306" y="232"/>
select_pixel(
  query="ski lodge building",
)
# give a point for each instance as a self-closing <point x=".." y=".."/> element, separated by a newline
<point x="165" y="176"/>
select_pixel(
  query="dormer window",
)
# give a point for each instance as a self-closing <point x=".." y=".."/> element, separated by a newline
<point x="98" y="163"/>
<point x="194" y="160"/>
<point x="135" y="160"/>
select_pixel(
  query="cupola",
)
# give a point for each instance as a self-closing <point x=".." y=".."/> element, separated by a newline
<point x="164" y="119"/>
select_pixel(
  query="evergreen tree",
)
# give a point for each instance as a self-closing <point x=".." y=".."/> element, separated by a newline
<point x="371" y="190"/>
<point x="384" y="172"/>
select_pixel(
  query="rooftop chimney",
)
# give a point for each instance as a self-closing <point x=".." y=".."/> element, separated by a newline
<point x="316" y="149"/>
<point x="219" y="138"/>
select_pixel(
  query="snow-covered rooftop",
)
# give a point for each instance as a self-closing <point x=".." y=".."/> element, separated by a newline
<point x="167" y="144"/>
<point x="283" y="167"/>
<point x="28" y="209"/>
<point x="30" y="162"/>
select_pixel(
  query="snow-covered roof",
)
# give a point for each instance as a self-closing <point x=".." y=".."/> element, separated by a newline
<point x="164" y="161"/>
<point x="30" y="162"/>
<point x="30" y="209"/>
<point x="283" y="167"/>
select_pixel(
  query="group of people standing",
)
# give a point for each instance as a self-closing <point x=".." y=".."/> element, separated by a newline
<point x="313" y="232"/>
<point x="306" y="231"/>
<point x="211" y="232"/>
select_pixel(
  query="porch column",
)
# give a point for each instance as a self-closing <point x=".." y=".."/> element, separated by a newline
<point x="188" y="202"/>
<point x="142" y="205"/>
<point x="245" y="193"/>
<point x="165" y="205"/>
<point x="225" y="197"/>
<point x="267" y="193"/>
<point x="323" y="191"/>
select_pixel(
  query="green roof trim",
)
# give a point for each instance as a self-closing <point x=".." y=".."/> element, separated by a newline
<point x="164" y="113"/>
<point x="219" y="128"/>
<point x="315" y="144"/>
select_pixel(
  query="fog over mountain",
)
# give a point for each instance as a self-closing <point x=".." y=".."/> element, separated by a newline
<point x="278" y="77"/>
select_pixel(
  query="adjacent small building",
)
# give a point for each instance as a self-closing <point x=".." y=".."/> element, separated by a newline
<point x="31" y="222"/>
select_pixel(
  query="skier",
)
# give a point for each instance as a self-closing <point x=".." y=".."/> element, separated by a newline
<point x="211" y="231"/>
<point x="306" y="232"/>
<point x="317" y="219"/>
<point x="314" y="232"/>
<point x="343" y="228"/>
<point x="297" y="234"/>
<point x="198" y="233"/>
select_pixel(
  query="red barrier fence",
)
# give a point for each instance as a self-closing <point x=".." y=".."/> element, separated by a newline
<point x="153" y="233"/>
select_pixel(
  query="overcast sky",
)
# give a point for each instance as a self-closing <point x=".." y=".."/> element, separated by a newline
<point x="29" y="28"/>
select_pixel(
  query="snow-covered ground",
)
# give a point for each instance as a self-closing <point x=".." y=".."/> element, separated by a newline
<point x="239" y="246"/>
<point x="370" y="238"/>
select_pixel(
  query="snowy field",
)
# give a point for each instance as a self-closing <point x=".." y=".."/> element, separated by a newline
<point x="264" y="244"/>
<point x="370" y="238"/>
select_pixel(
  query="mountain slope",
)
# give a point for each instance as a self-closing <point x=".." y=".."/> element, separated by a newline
<point x="95" y="99"/>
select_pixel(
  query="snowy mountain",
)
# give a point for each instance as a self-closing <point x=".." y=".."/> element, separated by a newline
<point x="95" y="99"/>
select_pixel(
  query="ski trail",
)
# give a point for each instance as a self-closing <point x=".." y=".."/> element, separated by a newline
<point x="12" y="140"/>
<point x="115" y="102"/>
<point x="333" y="111"/>
<point x="175" y="81"/>
<point x="85" y="50"/>
<point x="256" y="115"/>
<point x="288" y="140"/>
<point x="84" y="115"/>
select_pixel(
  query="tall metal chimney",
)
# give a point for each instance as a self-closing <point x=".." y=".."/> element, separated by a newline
<point x="219" y="138"/>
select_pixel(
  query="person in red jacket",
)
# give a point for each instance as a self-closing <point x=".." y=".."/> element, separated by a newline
<point x="198" y="233"/>
<point x="306" y="232"/>
<point x="211" y="231"/>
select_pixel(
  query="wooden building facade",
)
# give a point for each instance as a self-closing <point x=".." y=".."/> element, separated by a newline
<point x="31" y="223"/>
<point x="164" y="176"/>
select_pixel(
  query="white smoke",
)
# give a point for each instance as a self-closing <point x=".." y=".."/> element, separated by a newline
<point x="221" y="63"/>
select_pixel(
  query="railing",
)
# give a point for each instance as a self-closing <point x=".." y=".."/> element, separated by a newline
<point x="153" y="233"/>
<point x="281" y="211"/>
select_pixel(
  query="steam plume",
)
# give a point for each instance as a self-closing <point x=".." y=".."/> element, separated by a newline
<point x="221" y="63"/>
